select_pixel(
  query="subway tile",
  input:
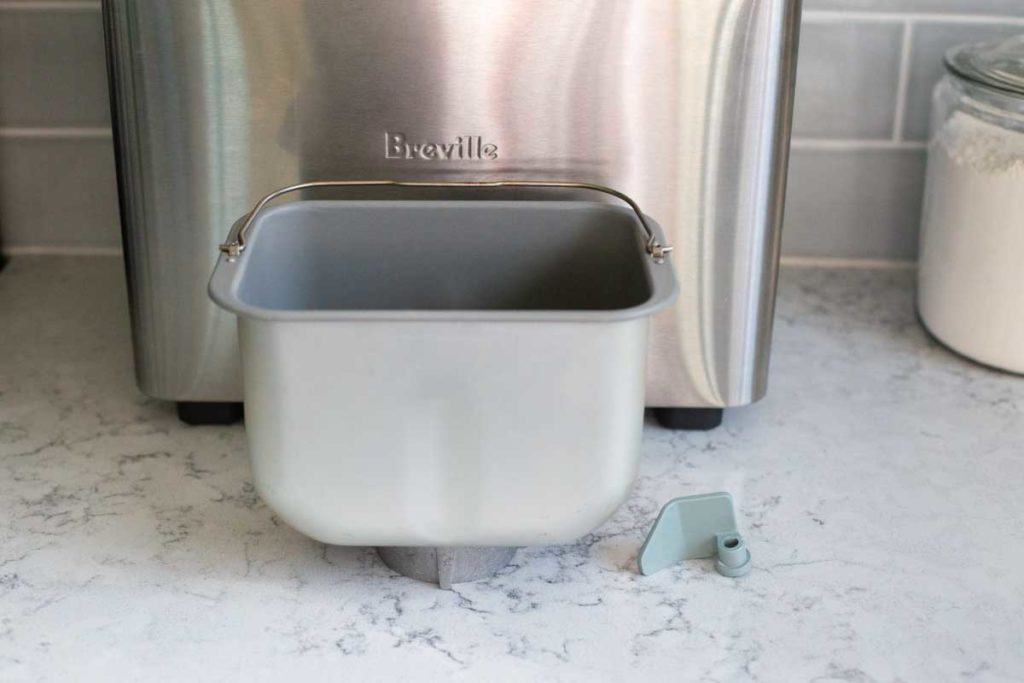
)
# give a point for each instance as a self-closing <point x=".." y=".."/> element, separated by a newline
<point x="854" y="204"/>
<point x="930" y="42"/>
<point x="1008" y="7"/>
<point x="58" y="192"/>
<point x="847" y="79"/>
<point x="52" y="69"/>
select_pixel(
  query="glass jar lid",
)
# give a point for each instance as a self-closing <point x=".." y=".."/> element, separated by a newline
<point x="997" y="65"/>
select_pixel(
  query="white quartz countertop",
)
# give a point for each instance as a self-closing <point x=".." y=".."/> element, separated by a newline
<point x="880" y="486"/>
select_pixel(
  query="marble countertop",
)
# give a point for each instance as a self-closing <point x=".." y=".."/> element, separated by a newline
<point x="879" y="486"/>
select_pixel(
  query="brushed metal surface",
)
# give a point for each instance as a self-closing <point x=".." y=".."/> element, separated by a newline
<point x="682" y="104"/>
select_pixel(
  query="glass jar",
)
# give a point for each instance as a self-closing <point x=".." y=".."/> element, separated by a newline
<point x="971" y="264"/>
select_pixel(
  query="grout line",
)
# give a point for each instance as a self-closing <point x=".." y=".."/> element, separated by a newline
<point x="40" y="250"/>
<point x="830" y="145"/>
<point x="830" y="16"/>
<point x="903" y="85"/>
<point x="846" y="263"/>
<point x="49" y="5"/>
<point x="55" y="132"/>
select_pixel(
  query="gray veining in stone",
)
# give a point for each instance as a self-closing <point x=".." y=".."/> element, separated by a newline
<point x="879" y="487"/>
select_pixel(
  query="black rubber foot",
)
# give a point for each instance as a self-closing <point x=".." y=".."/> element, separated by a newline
<point x="692" y="419"/>
<point x="209" y="412"/>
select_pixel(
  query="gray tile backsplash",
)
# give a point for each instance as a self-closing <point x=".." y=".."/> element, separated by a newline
<point x="834" y="100"/>
<point x="58" y="192"/>
<point x="57" y="184"/>
<point x="859" y="131"/>
<point x="52" y="70"/>
<point x="866" y="71"/>
<point x="854" y="203"/>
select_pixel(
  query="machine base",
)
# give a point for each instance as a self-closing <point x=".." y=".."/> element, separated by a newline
<point x="692" y="419"/>
<point x="209" y="412"/>
<point x="446" y="566"/>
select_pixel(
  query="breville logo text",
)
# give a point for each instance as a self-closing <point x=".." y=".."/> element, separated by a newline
<point x="464" y="148"/>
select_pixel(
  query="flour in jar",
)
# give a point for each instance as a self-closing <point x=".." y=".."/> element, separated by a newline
<point x="971" y="275"/>
<point x="977" y="146"/>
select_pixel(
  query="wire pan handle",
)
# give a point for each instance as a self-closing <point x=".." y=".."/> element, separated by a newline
<point x="235" y="243"/>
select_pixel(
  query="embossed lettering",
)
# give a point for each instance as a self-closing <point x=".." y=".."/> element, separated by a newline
<point x="446" y="150"/>
<point x="394" y="145"/>
<point x="464" y="147"/>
